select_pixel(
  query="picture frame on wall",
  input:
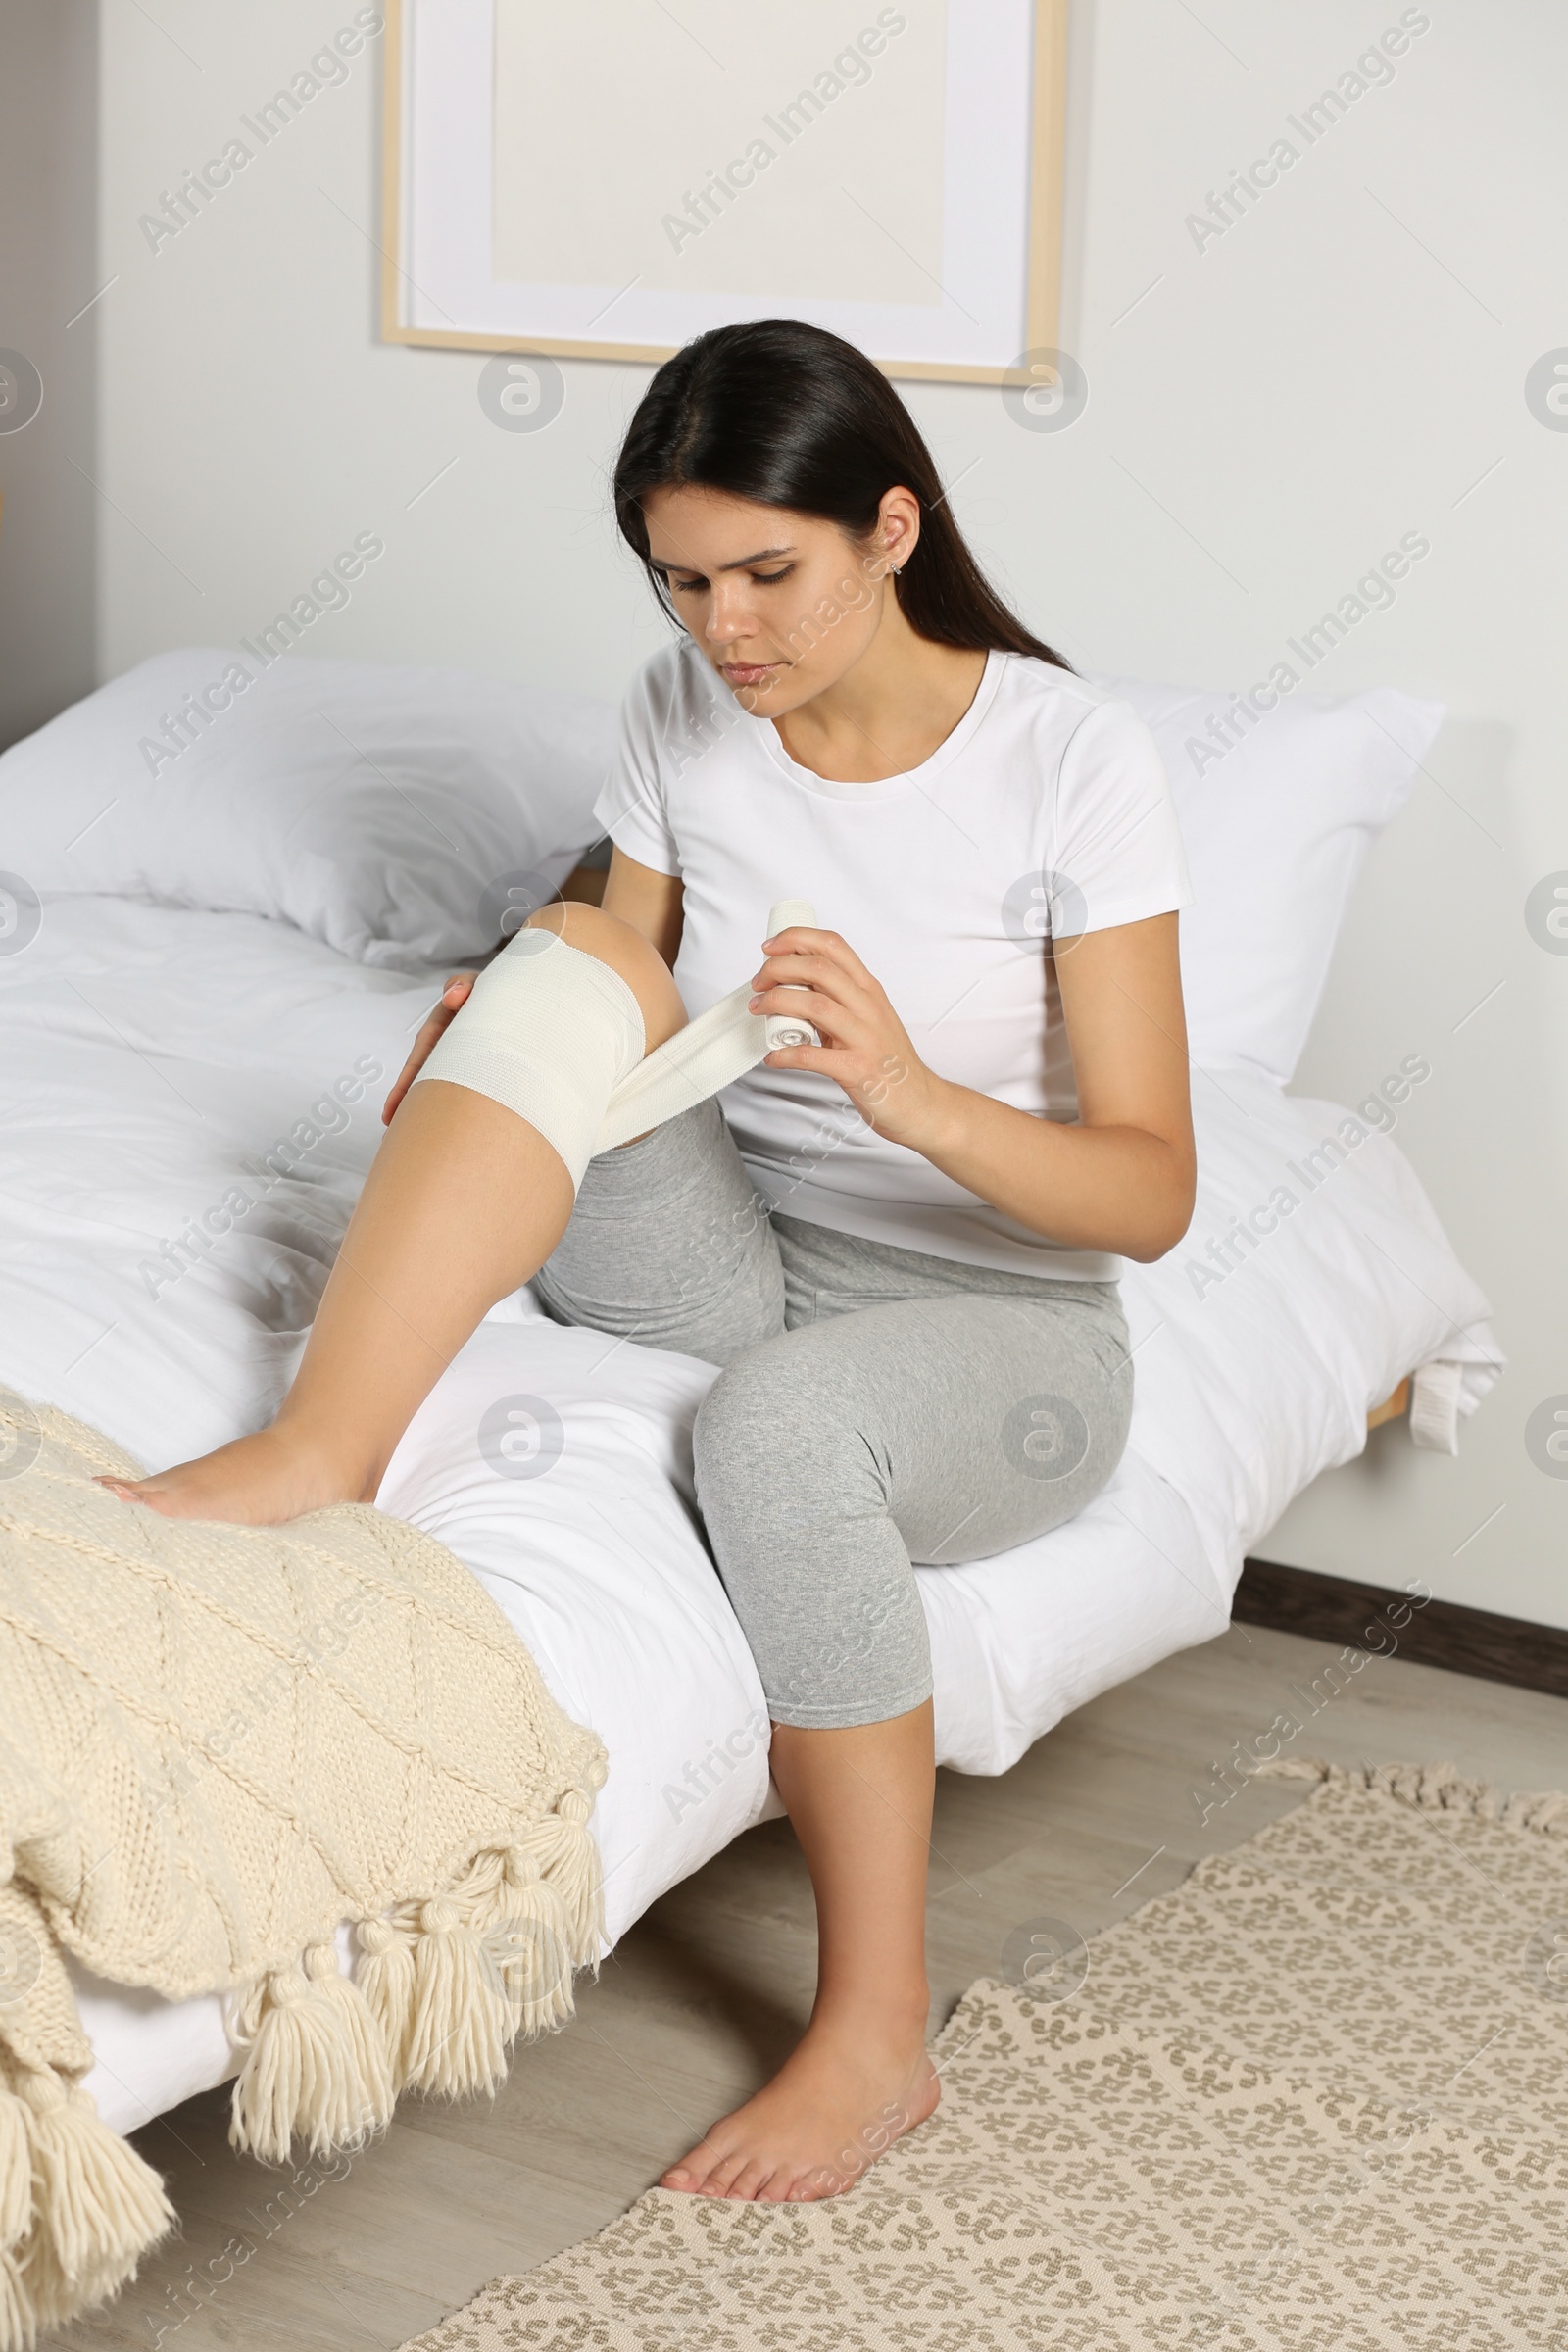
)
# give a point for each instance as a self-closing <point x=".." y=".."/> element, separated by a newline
<point x="607" y="181"/>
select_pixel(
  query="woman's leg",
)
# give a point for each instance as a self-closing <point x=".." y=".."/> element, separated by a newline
<point x="860" y="1802"/>
<point x="463" y="1202"/>
<point x="941" y="1430"/>
<point x="670" y="1246"/>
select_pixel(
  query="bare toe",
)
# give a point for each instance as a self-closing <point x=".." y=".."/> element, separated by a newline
<point x="694" y="2171"/>
<point x="752" y="2179"/>
<point x="812" y="2186"/>
<point x="728" y="2169"/>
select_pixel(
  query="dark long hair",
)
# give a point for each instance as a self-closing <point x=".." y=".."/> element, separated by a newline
<point x="788" y="415"/>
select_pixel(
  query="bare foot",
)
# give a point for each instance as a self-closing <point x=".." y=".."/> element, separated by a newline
<point x="258" y="1481"/>
<point x="834" y="2106"/>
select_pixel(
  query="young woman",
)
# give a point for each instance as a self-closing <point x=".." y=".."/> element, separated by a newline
<point x="902" y="1243"/>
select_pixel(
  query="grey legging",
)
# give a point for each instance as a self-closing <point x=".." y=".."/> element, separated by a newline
<point x="877" y="1406"/>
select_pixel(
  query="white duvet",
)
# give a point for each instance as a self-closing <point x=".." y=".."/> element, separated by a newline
<point x="191" y="1101"/>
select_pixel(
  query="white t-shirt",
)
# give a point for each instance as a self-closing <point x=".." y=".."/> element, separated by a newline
<point x="1046" y="806"/>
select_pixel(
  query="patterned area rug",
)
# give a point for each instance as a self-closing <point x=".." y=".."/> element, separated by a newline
<point x="1315" y="2098"/>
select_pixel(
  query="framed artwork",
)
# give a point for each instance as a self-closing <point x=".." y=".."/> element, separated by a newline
<point x="605" y="178"/>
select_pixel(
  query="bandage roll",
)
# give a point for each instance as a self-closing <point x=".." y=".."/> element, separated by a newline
<point x="783" y="1028"/>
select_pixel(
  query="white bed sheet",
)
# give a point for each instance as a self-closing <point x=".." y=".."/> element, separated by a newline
<point x="149" y="1058"/>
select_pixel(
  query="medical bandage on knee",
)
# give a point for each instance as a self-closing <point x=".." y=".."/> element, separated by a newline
<point x="558" y="1037"/>
<point x="549" y="1033"/>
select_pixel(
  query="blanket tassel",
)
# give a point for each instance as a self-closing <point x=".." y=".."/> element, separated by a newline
<point x="535" y="1946"/>
<point x="459" y="2021"/>
<point x="442" y="1988"/>
<point x="16" y="2172"/>
<point x="562" y="1845"/>
<point x="18" y="2320"/>
<point x="385" y="1976"/>
<point x="316" y="2064"/>
<point x="98" y="2210"/>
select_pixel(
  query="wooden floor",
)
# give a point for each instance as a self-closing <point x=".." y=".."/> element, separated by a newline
<point x="706" y="1994"/>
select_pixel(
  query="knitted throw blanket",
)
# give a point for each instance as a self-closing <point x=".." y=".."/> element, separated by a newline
<point x="218" y="1745"/>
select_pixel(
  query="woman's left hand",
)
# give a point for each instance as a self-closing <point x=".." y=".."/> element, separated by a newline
<point x="813" y="976"/>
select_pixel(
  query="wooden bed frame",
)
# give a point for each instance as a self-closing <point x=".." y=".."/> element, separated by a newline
<point x="1393" y="1409"/>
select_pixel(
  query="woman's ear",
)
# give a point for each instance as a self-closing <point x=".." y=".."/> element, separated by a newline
<point x="897" y="527"/>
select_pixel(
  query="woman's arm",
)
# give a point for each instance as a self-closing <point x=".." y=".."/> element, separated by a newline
<point x="650" y="902"/>
<point x="1122" y="1179"/>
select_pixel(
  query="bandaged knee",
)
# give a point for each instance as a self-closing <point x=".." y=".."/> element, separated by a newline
<point x="558" y="1037"/>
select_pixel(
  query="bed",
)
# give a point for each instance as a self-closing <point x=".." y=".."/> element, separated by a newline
<point x="210" y="964"/>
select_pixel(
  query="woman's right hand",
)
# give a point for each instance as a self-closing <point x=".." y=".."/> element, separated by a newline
<point x="454" y="996"/>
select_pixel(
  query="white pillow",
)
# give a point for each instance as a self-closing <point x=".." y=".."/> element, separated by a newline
<point x="1276" y="826"/>
<point x="404" y="816"/>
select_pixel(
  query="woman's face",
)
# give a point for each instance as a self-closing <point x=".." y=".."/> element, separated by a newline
<point x="782" y="604"/>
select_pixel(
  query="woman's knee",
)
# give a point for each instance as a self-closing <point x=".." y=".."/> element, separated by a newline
<point x="627" y="952"/>
<point x="773" y="1442"/>
<point x="735" y="1438"/>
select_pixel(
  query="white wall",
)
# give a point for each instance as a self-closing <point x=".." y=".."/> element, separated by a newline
<point x="48" y="254"/>
<point x="1266" y="415"/>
